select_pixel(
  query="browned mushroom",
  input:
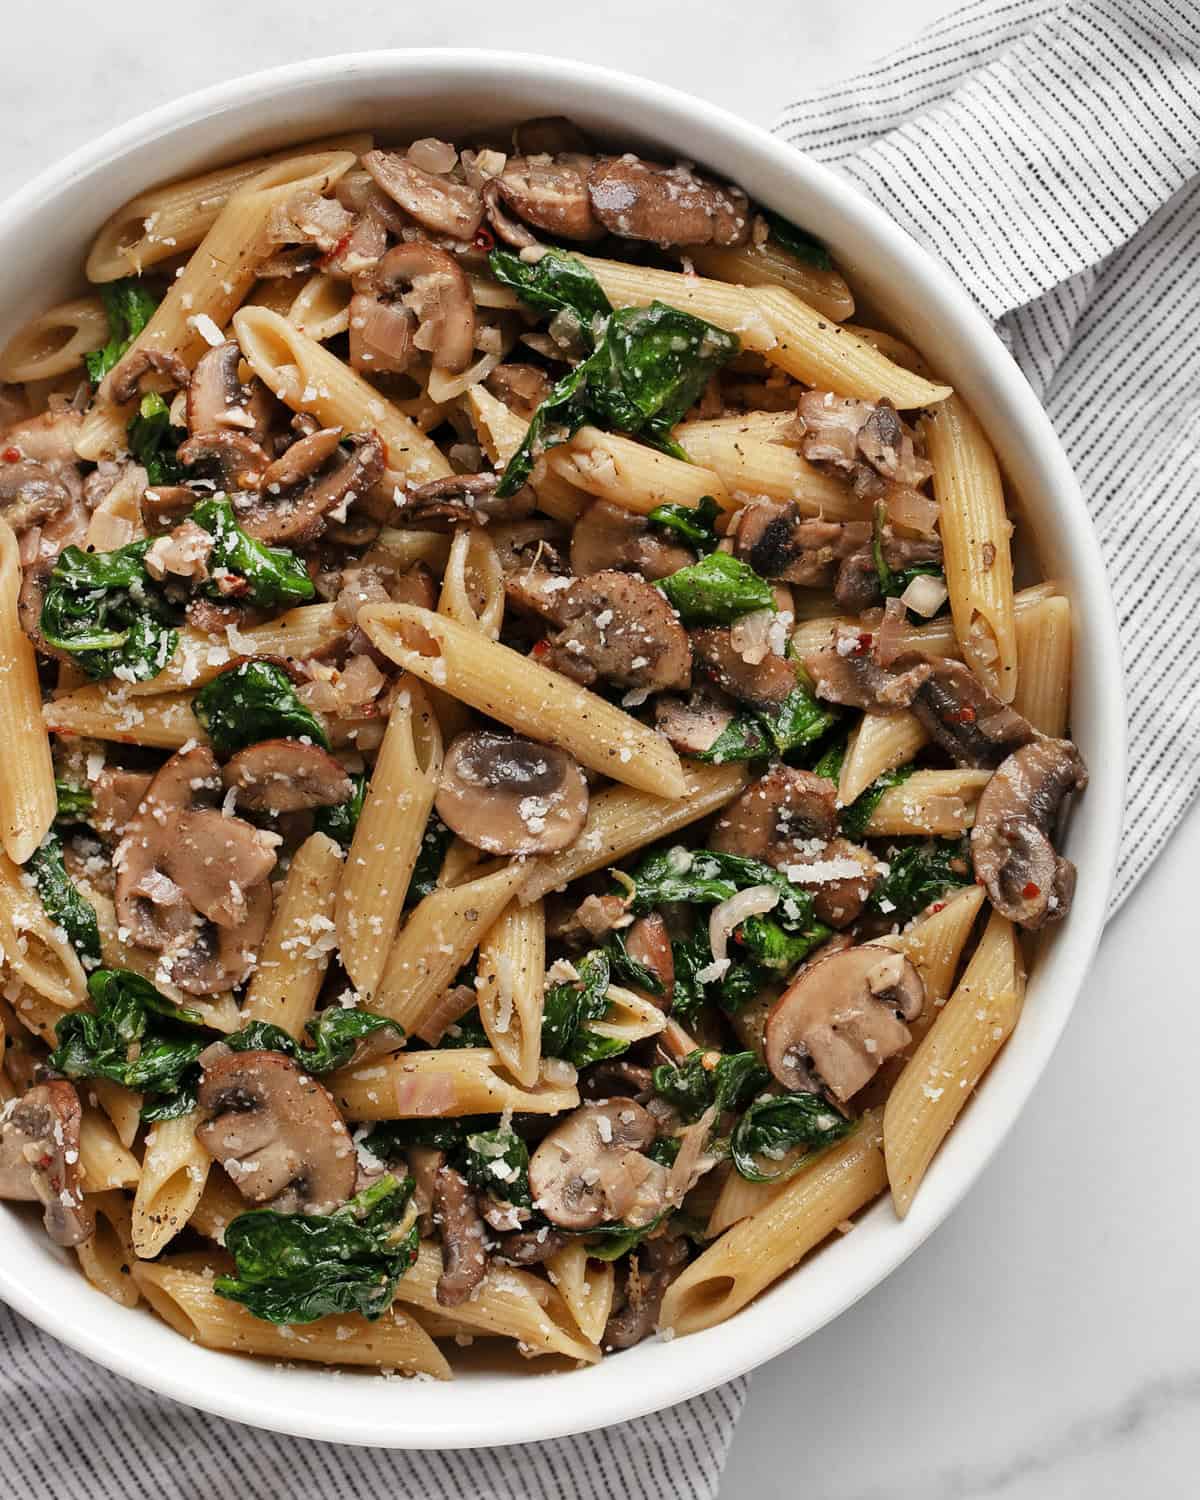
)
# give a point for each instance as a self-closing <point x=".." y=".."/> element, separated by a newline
<point x="511" y="796"/>
<point x="233" y="460"/>
<point x="617" y="626"/>
<point x="847" y="672"/>
<point x="530" y="1247"/>
<point x="440" y="297"/>
<point x="617" y="1076"/>
<point x="49" y="438"/>
<point x="221" y="958"/>
<point x="466" y="499"/>
<point x="505" y="227"/>
<point x="590" y="1169"/>
<point x="30" y="493"/>
<point x="116" y="796"/>
<point x="546" y="134"/>
<point x="609" y="536"/>
<point x="125" y="378"/>
<point x="649" y="1272"/>
<point x="649" y="943"/>
<point x="297" y="514"/>
<point x="275" y="1130"/>
<point x="645" y="200"/>
<point x="693" y="727"/>
<point x="39" y="1160"/>
<point x="521" y="387"/>
<point x="777" y="815"/>
<point x="865" y="441"/>
<point x="464" y="1238"/>
<point x="423" y="1164"/>
<point x="165" y="505"/>
<point x="217" y="398"/>
<point x="437" y="203"/>
<point x="1012" y="840"/>
<point x="762" y="684"/>
<point x="551" y="193"/>
<point x="968" y="722"/>
<point x="779" y="541"/>
<point x="282" y="776"/>
<point x="215" y="861"/>
<point x="840" y="1018"/>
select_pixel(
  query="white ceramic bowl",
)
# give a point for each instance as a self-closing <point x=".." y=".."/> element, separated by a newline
<point x="44" y="234"/>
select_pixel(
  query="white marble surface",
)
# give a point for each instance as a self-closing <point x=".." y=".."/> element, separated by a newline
<point x="1045" y="1345"/>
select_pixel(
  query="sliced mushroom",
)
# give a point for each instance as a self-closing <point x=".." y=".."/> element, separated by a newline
<point x="551" y="193"/>
<point x="464" y="1237"/>
<point x="1012" y="840"/>
<point x="275" y="1130"/>
<point x="163" y="506"/>
<point x="440" y="297"/>
<point x="779" y="541"/>
<point x="865" y="441"/>
<point x="616" y="626"/>
<point x="233" y="460"/>
<point x="847" y="672"/>
<point x="693" y="727"/>
<point x="281" y="776"/>
<point x="645" y="200"/>
<point x="39" y="1160"/>
<point x="970" y="724"/>
<point x="649" y="1272"/>
<point x="609" y="536"/>
<point x="217" y="399"/>
<point x="301" y="460"/>
<point x="436" y="202"/>
<point x="298" y="514"/>
<point x="762" y="684"/>
<point x="49" y="438"/>
<point x="506" y="228"/>
<point x="423" y="1165"/>
<point x="530" y="1247"/>
<point x="467" y="499"/>
<point x="777" y="816"/>
<point x="30" y="493"/>
<point x="511" y="796"/>
<point x="521" y="387"/>
<point x="590" y="1169"/>
<point x="216" y="958"/>
<point x="215" y="861"/>
<point x="841" y="876"/>
<point x="116" y="796"/>
<point x="127" y="376"/>
<point x="842" y="1017"/>
<point x="649" y="943"/>
<point x="617" y="1076"/>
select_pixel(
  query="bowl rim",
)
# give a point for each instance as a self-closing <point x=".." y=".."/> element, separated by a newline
<point x="747" y="1340"/>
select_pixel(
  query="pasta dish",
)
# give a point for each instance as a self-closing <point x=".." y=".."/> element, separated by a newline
<point x="530" y="780"/>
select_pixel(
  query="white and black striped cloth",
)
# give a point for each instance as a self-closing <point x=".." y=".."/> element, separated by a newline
<point x="1049" y="154"/>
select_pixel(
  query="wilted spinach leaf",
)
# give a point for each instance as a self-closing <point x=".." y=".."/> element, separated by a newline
<point x="920" y="873"/>
<point x="105" y="610"/>
<point x="276" y="576"/>
<point x="772" y="1126"/>
<point x="332" y="1035"/>
<point x="627" y="969"/>
<point x="697" y="524"/>
<point x="251" y="702"/>
<point x="798" y="242"/>
<point x="74" y="803"/>
<point x="497" y="1162"/>
<point x="717" y="590"/>
<point x="704" y="1078"/>
<point x="436" y="839"/>
<point x="129" y="306"/>
<point x="570" y="1006"/>
<point x="801" y="719"/>
<point x="557" y="282"/>
<point x="62" y="900"/>
<point x="153" y="441"/>
<point x="295" y="1268"/>
<point x="854" y="819"/>
<point x="743" y="738"/>
<point x="340" y="821"/>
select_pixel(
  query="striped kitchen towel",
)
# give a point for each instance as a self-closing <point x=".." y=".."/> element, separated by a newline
<point x="1049" y="153"/>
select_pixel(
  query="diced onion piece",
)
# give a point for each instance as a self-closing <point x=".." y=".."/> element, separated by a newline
<point x="925" y="595"/>
<point x="727" y="915"/>
<point x="432" y="155"/>
<point x="909" y="508"/>
<point x="750" y="635"/>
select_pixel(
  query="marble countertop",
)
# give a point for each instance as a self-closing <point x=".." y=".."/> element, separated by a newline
<point x="1045" y="1344"/>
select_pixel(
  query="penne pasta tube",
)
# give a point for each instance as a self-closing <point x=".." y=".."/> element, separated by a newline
<point x="122" y="1106"/>
<point x="200" y="301"/>
<point x="103" y="1160"/>
<point x="975" y="538"/>
<point x="586" y="1286"/>
<point x="630" y="1018"/>
<point x="308" y="378"/>
<point x="184" y="1298"/>
<point x="35" y="950"/>
<point x="511" y="977"/>
<point x="447" y="1083"/>
<point x="307" y="630"/>
<point x="739" y="1197"/>
<point x="220" y="1203"/>
<point x="955" y="1053"/>
<point x="1044" y="665"/>
<point x="437" y="939"/>
<point x="934" y="944"/>
<point x="321" y="308"/>
<point x="55" y="342"/>
<point x="629" y="474"/>
<point x="755" y="461"/>
<point x="404" y="549"/>
<point x="387" y="840"/>
<point x="500" y="433"/>
<point x="621" y="821"/>
<point x="758" y="1250"/>
<point x="107" y="1258"/>
<point x="775" y="323"/>
<point x="877" y="743"/>
<point x="770" y="264"/>
<point x="295" y="955"/>
<point x="35" y="1012"/>
<point x="167" y="221"/>
<point x="509" y="1302"/>
<point x="523" y="694"/>
<point x="163" y="722"/>
<point x="473" y="585"/>
<point x="929" y="802"/>
<point x="27" y="798"/>
<point x="174" y="1168"/>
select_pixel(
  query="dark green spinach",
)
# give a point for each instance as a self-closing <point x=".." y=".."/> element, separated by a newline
<point x="62" y="900"/>
<point x="340" y="821"/>
<point x="705" y="1078"/>
<point x="497" y="1162"/>
<point x="332" y="1036"/>
<point x="697" y="524"/>
<point x="570" y="1006"/>
<point x="74" y="803"/>
<point x="251" y="702"/>
<point x="129" y="307"/>
<point x="797" y="242"/>
<point x="919" y="874"/>
<point x="717" y="590"/>
<point x="153" y="441"/>
<point x="275" y="576"/>
<point x="774" y="1125"/>
<point x="105" y="610"/>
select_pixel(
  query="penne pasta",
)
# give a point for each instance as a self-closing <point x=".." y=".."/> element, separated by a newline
<point x="628" y="473"/>
<point x="586" y="1286"/>
<point x="975" y="537"/>
<point x="387" y="839"/>
<point x="107" y="1258"/>
<point x="445" y="1083"/>
<point x="174" y="1169"/>
<point x="769" y="264"/>
<point x="162" y="722"/>
<point x="122" y="1106"/>
<point x="27" y="797"/>
<point x="1044" y="665"/>
<point x="955" y="1053"/>
<point x="510" y="981"/>
<point x="35" y="950"/>
<point x="758" y="1250"/>
<point x="105" y="1163"/>
<point x="631" y="1017"/>
<point x="501" y="433"/>
<point x="929" y="802"/>
<point x="219" y="1204"/>
<point x="54" y="343"/>
<point x="524" y="695"/>
<point x="321" y="308"/>
<point x="473" y="585"/>
<point x="877" y="743"/>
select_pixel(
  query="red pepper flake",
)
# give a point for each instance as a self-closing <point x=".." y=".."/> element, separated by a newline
<point x="540" y="648"/>
<point x="937" y="907"/>
<point x="864" y="643"/>
<point x="339" y="249"/>
<point x="963" y="716"/>
<point x="484" y="238"/>
<point x="11" y="455"/>
<point x="1029" y="890"/>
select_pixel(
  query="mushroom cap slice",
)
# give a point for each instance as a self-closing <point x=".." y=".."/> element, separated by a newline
<point x="590" y="1169"/>
<point x="298" y="515"/>
<point x="761" y="684"/>
<point x="221" y="958"/>
<point x="1011" y="846"/>
<point x="232" y="459"/>
<point x="217" y="398"/>
<point x="776" y="815"/>
<point x="842" y="1016"/>
<point x="441" y="297"/>
<point x="617" y="626"/>
<point x="970" y="724"/>
<point x="215" y="861"/>
<point x="847" y="672"/>
<point x="609" y="536"/>
<point x="39" y="1159"/>
<point x="552" y="194"/>
<point x="276" y="1131"/>
<point x="286" y="776"/>
<point x="645" y="200"/>
<point x="437" y="203"/>
<point x="510" y="795"/>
